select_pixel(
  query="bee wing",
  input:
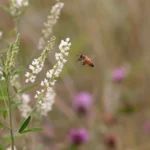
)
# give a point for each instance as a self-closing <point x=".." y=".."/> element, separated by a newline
<point x="92" y="57"/>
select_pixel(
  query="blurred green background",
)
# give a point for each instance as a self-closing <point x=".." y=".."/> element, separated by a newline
<point x="113" y="33"/>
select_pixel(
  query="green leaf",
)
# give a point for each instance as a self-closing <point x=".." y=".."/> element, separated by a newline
<point x="1" y="125"/>
<point x="4" y="114"/>
<point x="28" y="88"/>
<point x="16" y="105"/>
<point x="19" y="71"/>
<point x="25" y="124"/>
<point x="32" y="129"/>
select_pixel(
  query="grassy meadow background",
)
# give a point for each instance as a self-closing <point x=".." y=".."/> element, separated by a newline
<point x="113" y="33"/>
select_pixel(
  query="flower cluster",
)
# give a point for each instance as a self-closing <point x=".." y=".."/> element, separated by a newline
<point x="51" y="21"/>
<point x="24" y="108"/>
<point x="82" y="102"/>
<point x="17" y="7"/>
<point x="45" y="105"/>
<point x="11" y="55"/>
<point x="78" y="136"/>
<point x="46" y="95"/>
<point x="14" y="81"/>
<point x="119" y="74"/>
<point x="37" y="64"/>
<point x="110" y="141"/>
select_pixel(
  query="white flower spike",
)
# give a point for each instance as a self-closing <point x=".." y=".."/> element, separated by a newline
<point x="47" y="95"/>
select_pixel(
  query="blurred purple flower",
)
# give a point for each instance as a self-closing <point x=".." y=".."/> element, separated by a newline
<point x="146" y="126"/>
<point x="110" y="141"/>
<point x="119" y="74"/>
<point x="78" y="136"/>
<point x="82" y="102"/>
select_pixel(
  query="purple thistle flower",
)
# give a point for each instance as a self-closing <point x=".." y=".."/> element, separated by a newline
<point x="110" y="141"/>
<point x="78" y="136"/>
<point x="82" y="102"/>
<point x="119" y="74"/>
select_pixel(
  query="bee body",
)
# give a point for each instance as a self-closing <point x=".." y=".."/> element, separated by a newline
<point x="86" y="60"/>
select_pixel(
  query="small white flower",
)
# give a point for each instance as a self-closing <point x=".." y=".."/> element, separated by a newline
<point x="64" y="60"/>
<point x="35" y="62"/>
<point x="21" y="3"/>
<point x="67" y="39"/>
<point x="38" y="92"/>
<point x="27" y="74"/>
<point x="17" y="6"/>
<point x="26" y="98"/>
<point x="41" y="43"/>
<point x="45" y="82"/>
<point x="49" y="89"/>
<point x="53" y="83"/>
<point x="36" y="96"/>
<point x="66" y="53"/>
<point x="42" y="83"/>
<point x="31" y="67"/>
<point x="27" y="80"/>
<point x="57" y="55"/>
<point x="56" y="74"/>
<point x="48" y="74"/>
<point x="2" y="78"/>
<point x="51" y="21"/>
<point x="14" y="81"/>
<point x="31" y="79"/>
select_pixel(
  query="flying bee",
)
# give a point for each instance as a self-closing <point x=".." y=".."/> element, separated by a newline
<point x="85" y="60"/>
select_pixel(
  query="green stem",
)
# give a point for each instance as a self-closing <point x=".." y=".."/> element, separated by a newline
<point x="34" y="107"/>
<point x="10" y="114"/>
<point x="6" y="105"/>
<point x="16" y="22"/>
